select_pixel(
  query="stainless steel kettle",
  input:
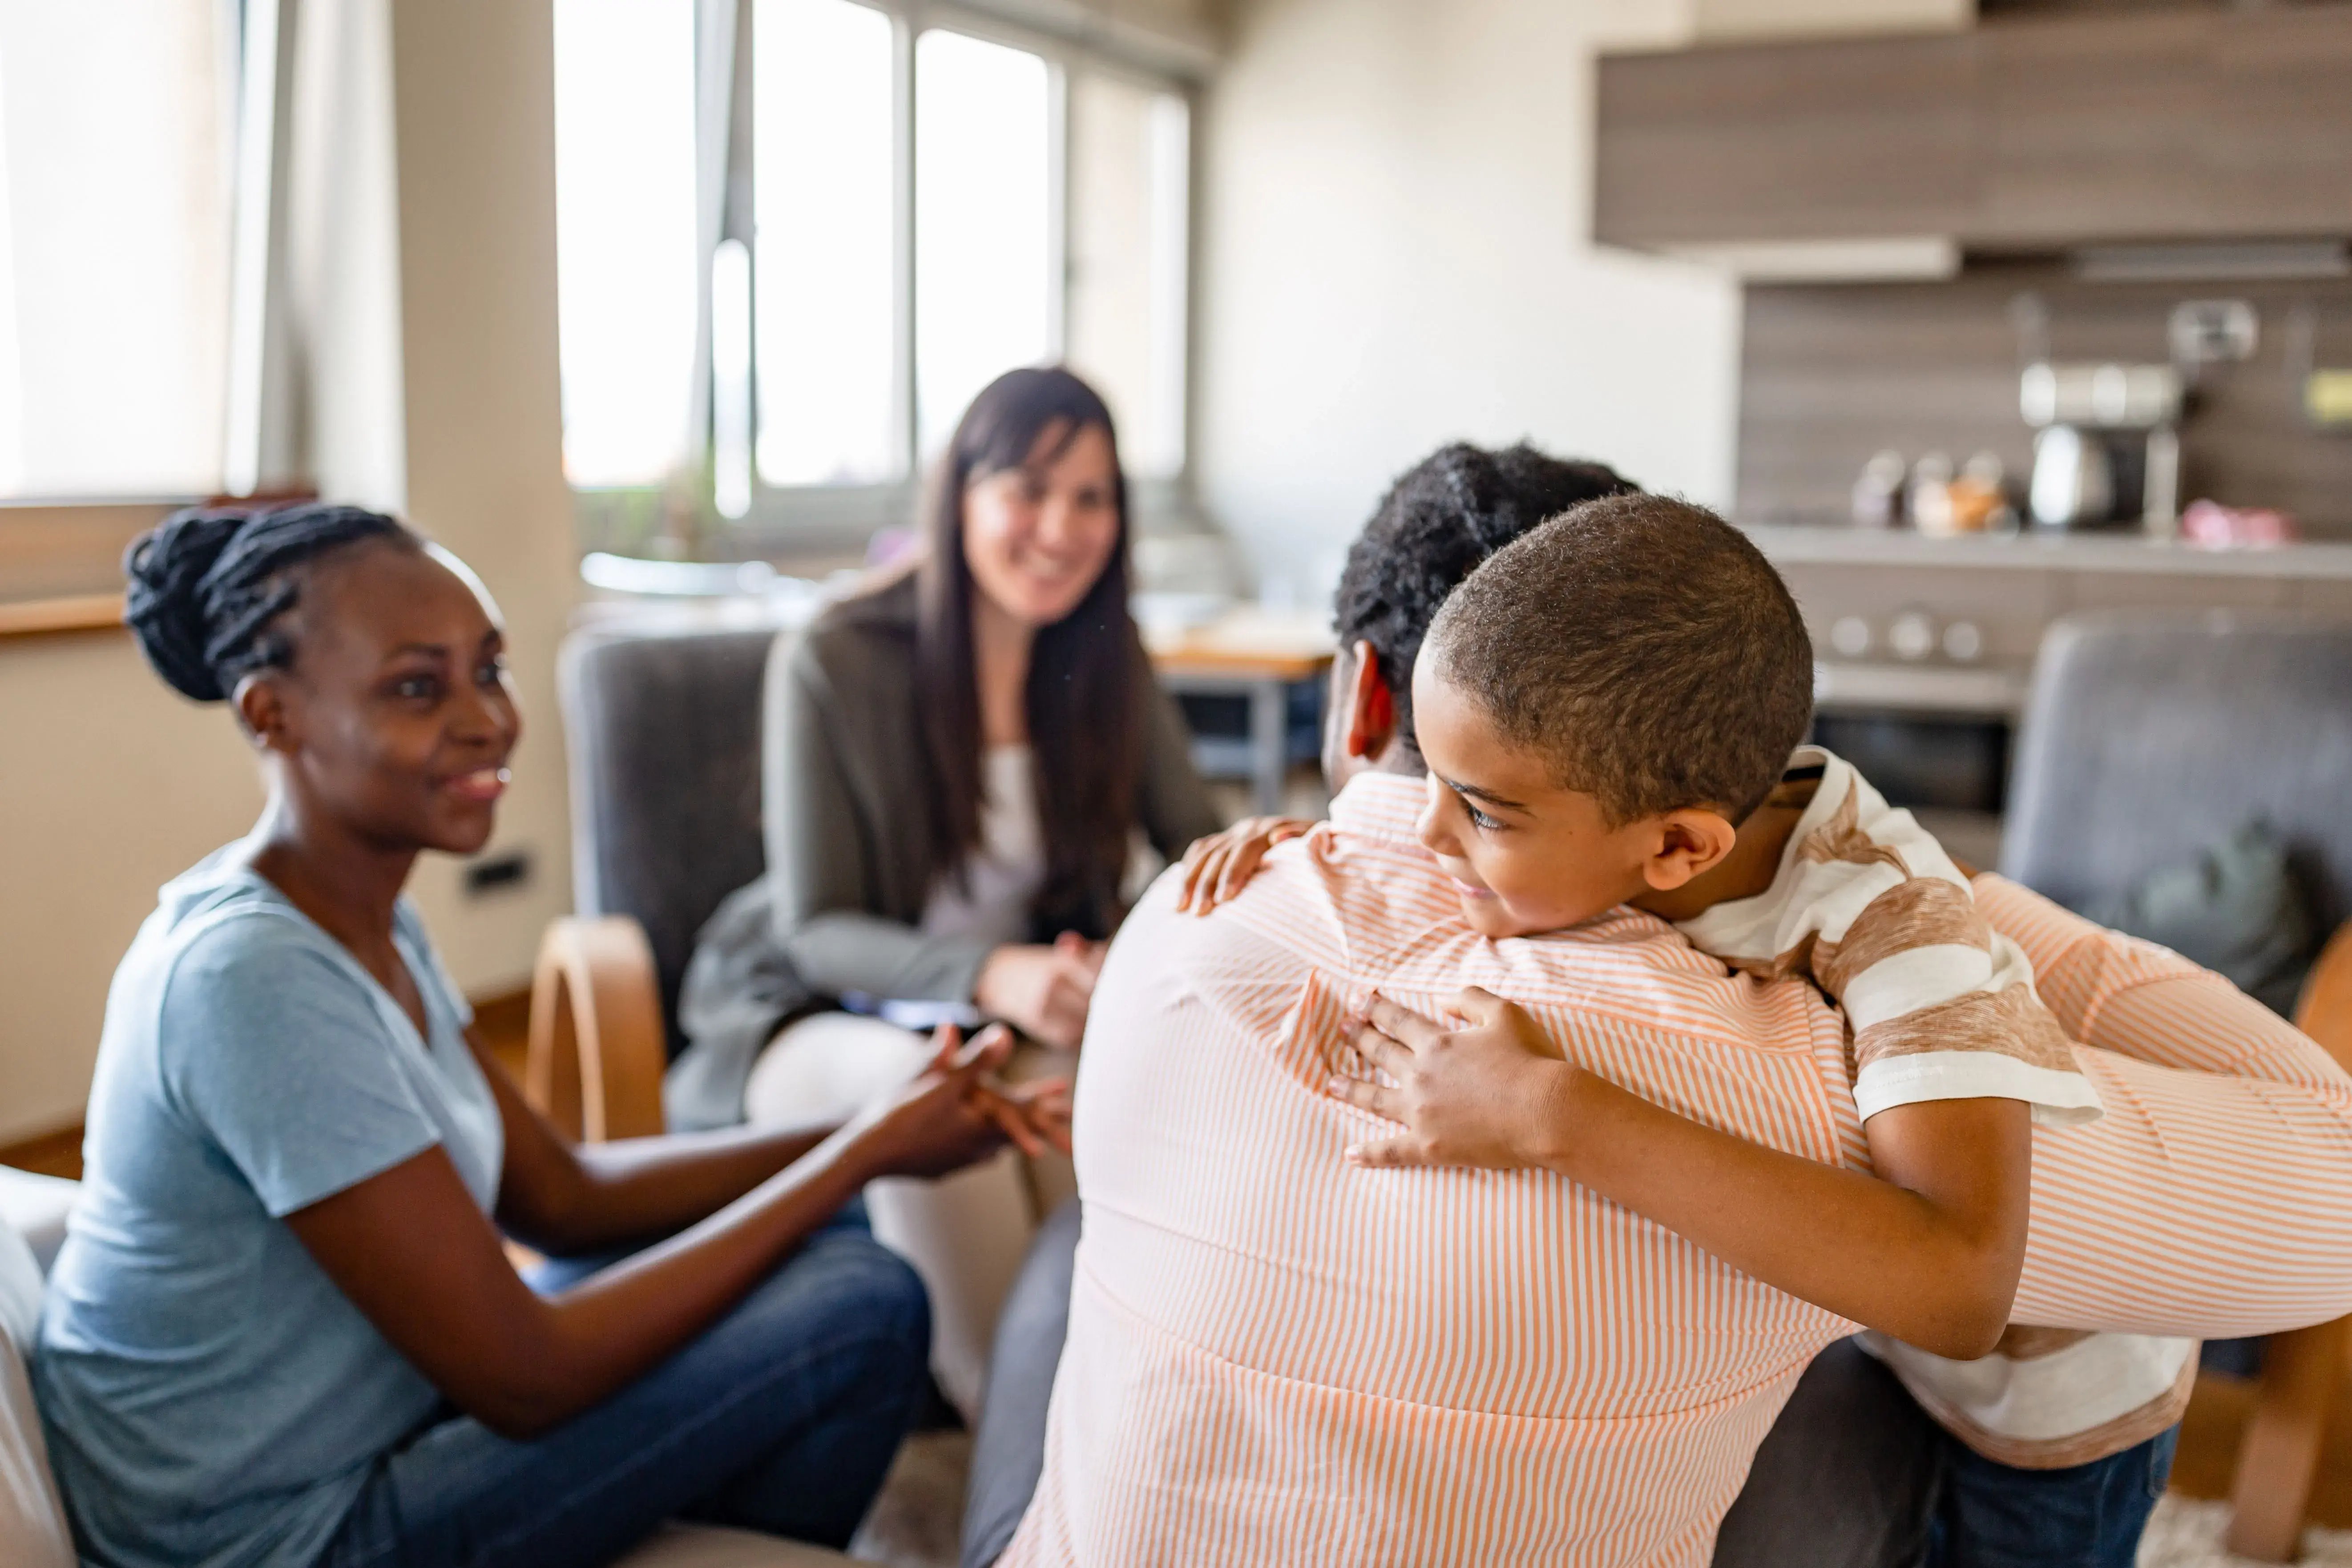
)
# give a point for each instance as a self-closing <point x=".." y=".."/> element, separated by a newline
<point x="2073" y="478"/>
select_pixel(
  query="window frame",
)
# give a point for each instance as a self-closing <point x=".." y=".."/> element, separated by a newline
<point x="803" y="520"/>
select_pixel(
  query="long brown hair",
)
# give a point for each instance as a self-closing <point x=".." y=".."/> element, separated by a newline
<point x="1085" y="723"/>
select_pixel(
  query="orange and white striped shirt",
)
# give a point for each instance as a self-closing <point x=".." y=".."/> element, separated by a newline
<point x="1275" y="1358"/>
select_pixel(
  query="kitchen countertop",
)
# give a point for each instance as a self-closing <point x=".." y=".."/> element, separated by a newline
<point x="2120" y="551"/>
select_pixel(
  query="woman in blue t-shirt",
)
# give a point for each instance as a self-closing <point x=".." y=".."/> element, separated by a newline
<point x="283" y="1330"/>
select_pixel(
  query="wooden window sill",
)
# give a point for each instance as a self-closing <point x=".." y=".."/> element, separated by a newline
<point x="71" y="615"/>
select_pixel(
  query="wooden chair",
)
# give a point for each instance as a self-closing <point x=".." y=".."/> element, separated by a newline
<point x="662" y="729"/>
<point x="596" y="1051"/>
<point x="2302" y="1372"/>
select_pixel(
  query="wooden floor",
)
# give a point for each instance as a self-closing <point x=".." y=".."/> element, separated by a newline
<point x="2218" y="1412"/>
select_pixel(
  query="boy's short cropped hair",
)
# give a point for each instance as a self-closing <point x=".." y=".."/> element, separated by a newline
<point x="1645" y="647"/>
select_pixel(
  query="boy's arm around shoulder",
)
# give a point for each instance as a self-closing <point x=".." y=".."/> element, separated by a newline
<point x="1928" y="1250"/>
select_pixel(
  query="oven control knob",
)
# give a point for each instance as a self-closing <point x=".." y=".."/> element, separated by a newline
<point x="1850" y="634"/>
<point x="1963" y="643"/>
<point x="1911" y="634"/>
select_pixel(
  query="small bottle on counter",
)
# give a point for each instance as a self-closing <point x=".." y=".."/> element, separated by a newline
<point x="1929" y="501"/>
<point x="1878" y="492"/>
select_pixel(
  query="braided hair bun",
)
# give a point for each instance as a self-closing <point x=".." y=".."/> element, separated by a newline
<point x="207" y="585"/>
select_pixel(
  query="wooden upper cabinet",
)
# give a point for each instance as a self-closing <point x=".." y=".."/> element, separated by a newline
<point x="2028" y="133"/>
<point x="1852" y="139"/>
<point x="2090" y="127"/>
<point x="2279" y="156"/>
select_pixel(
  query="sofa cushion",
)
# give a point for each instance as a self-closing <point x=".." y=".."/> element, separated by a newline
<point x="706" y="1546"/>
<point x="32" y="1519"/>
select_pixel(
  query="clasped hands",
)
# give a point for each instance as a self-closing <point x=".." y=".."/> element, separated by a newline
<point x="959" y="1109"/>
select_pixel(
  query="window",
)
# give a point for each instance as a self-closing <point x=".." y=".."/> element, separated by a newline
<point x="983" y="242"/>
<point x="1130" y="184"/>
<point x="626" y="289"/>
<point x="117" y="142"/>
<point x="823" y="85"/>
<point x="897" y="212"/>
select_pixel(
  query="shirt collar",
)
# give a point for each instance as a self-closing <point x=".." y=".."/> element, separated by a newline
<point x="1382" y="805"/>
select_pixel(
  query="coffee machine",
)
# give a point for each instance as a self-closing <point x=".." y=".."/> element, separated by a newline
<point x="2106" y="445"/>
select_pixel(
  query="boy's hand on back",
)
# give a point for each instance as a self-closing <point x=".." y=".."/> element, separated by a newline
<point x="1492" y="1093"/>
<point x="1218" y="866"/>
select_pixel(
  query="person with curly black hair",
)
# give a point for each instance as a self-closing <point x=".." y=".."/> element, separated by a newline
<point x="1443" y="516"/>
<point x="1438" y="521"/>
<point x="283" y="1330"/>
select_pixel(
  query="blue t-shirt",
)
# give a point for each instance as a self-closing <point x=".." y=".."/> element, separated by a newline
<point x="211" y="1397"/>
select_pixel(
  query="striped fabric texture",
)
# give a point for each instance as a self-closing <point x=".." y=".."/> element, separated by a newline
<point x="1866" y="905"/>
<point x="1274" y="1358"/>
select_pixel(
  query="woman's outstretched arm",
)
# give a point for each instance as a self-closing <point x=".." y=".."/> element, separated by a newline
<point x="412" y="1251"/>
<point x="563" y="1197"/>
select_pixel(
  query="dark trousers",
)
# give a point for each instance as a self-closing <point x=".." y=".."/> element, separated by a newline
<point x="781" y="1417"/>
<point x="2085" y="1516"/>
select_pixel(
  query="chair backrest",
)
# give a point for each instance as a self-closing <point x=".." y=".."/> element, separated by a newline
<point x="2151" y="734"/>
<point x="663" y="727"/>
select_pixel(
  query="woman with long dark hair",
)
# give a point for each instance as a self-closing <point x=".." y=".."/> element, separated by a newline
<point x="283" y="1330"/>
<point x="957" y="762"/>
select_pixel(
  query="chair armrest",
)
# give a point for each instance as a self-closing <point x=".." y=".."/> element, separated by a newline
<point x="2324" y="1011"/>
<point x="596" y="1050"/>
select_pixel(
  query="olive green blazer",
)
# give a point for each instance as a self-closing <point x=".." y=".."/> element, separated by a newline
<point x="843" y="809"/>
<point x="844" y="806"/>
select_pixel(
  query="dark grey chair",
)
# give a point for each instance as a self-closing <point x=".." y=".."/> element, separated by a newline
<point x="662" y="729"/>
<point x="2148" y="736"/>
<point x="2151" y="734"/>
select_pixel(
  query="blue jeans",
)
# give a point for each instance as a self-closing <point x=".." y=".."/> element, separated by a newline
<point x="2085" y="1516"/>
<point x="782" y="1417"/>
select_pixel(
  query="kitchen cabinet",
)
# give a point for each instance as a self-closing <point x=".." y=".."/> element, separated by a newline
<point x="2278" y="156"/>
<point x="1786" y="141"/>
<point x="2088" y="128"/>
<point x="2028" y="134"/>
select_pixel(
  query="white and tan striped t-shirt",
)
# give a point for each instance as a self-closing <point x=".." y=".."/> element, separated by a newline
<point x="1868" y="906"/>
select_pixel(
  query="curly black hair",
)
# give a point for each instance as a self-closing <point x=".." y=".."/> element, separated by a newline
<point x="1441" y="518"/>
<point x="208" y="584"/>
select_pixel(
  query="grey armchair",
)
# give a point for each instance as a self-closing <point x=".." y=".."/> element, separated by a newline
<point x="2148" y="735"/>
<point x="663" y="727"/>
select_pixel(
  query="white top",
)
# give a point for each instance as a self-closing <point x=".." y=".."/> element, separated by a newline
<point x="1868" y="906"/>
<point x="1003" y="874"/>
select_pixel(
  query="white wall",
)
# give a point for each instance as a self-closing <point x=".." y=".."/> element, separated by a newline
<point x="422" y="264"/>
<point x="473" y="106"/>
<point x="1395" y="206"/>
<point x="1726" y="20"/>
<point x="110" y="784"/>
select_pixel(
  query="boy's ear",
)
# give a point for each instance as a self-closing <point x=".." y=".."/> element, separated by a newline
<point x="1689" y="843"/>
